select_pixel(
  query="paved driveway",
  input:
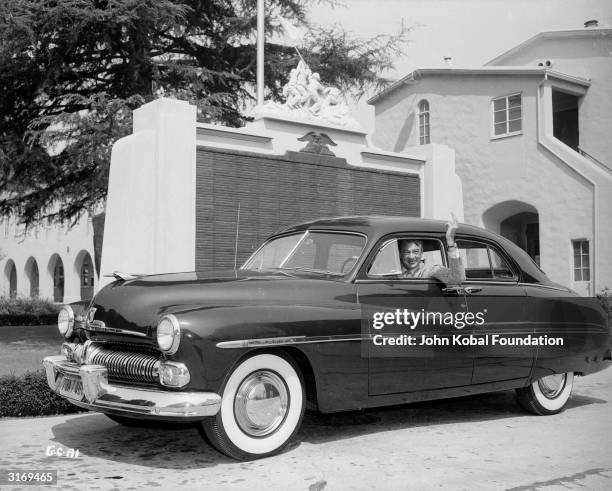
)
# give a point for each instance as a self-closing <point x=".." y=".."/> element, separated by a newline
<point x="483" y="442"/>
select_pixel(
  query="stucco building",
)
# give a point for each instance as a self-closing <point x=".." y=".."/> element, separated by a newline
<point x="531" y="131"/>
<point x="47" y="261"/>
<point x="520" y="146"/>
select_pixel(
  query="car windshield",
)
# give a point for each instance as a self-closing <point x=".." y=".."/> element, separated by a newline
<point x="320" y="252"/>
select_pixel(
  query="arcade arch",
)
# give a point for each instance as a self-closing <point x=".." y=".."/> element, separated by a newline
<point x="83" y="266"/>
<point x="32" y="277"/>
<point x="10" y="274"/>
<point x="56" y="270"/>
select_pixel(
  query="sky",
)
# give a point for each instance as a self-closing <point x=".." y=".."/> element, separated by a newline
<point x="472" y="32"/>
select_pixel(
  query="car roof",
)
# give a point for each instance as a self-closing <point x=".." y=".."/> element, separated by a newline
<point x="377" y="226"/>
<point x="380" y="225"/>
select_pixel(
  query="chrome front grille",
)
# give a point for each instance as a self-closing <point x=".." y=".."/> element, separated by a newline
<point x="124" y="365"/>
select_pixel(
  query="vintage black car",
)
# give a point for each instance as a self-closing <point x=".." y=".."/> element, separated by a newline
<point x="321" y="317"/>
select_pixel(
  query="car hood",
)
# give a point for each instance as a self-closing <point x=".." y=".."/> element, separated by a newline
<point x="135" y="306"/>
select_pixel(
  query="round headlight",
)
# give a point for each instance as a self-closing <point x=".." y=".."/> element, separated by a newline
<point x="168" y="334"/>
<point x="65" y="320"/>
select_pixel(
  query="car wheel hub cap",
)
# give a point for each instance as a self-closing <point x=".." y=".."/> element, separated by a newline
<point x="261" y="403"/>
<point x="552" y="385"/>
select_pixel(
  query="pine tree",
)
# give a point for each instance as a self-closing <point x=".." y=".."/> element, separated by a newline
<point x="72" y="71"/>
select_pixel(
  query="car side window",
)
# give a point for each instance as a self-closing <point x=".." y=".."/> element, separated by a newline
<point x="483" y="262"/>
<point x="500" y="266"/>
<point x="387" y="262"/>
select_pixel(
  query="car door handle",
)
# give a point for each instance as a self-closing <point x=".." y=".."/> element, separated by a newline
<point x="457" y="290"/>
<point x="472" y="289"/>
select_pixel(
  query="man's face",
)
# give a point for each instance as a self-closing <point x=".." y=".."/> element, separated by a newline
<point x="411" y="255"/>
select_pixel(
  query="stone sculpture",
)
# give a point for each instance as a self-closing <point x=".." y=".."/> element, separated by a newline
<point x="307" y="98"/>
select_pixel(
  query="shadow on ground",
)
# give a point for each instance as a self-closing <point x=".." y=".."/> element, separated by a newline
<point x="182" y="447"/>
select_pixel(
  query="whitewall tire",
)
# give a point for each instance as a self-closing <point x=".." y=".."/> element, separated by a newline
<point x="261" y="408"/>
<point x="547" y="395"/>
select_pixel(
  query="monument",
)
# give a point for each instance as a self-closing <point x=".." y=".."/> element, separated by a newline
<point x="180" y="191"/>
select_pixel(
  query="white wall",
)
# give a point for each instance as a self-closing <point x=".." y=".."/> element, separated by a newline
<point x="150" y="206"/>
<point x="44" y="244"/>
<point x="513" y="168"/>
<point x="442" y="187"/>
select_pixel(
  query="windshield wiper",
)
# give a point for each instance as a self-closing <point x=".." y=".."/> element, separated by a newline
<point x="311" y="270"/>
<point x="279" y="270"/>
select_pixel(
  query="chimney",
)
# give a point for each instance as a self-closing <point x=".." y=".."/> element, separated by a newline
<point x="448" y="61"/>
<point x="591" y="23"/>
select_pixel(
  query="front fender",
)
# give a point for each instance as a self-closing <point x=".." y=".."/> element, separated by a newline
<point x="205" y="330"/>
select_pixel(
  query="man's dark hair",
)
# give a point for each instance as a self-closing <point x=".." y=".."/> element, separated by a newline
<point x="405" y="242"/>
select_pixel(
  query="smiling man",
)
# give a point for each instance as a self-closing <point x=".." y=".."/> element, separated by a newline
<point x="413" y="265"/>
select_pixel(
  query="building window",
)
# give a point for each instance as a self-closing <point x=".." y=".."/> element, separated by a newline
<point x="86" y="277"/>
<point x="507" y="115"/>
<point x="424" y="123"/>
<point x="582" y="270"/>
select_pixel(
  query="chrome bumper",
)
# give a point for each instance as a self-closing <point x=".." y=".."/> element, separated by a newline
<point x="98" y="395"/>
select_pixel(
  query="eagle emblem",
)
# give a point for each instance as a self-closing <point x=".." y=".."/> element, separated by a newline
<point x="317" y="143"/>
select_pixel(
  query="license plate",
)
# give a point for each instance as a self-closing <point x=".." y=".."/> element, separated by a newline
<point x="71" y="387"/>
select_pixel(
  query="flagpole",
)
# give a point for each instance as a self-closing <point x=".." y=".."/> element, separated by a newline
<point x="300" y="55"/>
<point x="260" y="52"/>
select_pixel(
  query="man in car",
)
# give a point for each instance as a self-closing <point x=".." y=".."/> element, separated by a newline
<point x="413" y="266"/>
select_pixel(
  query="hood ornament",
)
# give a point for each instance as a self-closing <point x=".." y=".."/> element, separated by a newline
<point x="90" y="314"/>
<point x="118" y="275"/>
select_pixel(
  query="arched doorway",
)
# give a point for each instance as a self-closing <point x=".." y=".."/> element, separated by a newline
<point x="10" y="271"/>
<point x="87" y="277"/>
<point x="57" y="268"/>
<point x="517" y="221"/>
<point x="31" y="271"/>
<point x="524" y="230"/>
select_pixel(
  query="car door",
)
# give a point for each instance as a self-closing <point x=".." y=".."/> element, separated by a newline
<point x="493" y="294"/>
<point x="409" y="367"/>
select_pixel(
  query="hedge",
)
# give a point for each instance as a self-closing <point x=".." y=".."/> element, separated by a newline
<point x="29" y="395"/>
<point x="27" y="311"/>
<point x="605" y="298"/>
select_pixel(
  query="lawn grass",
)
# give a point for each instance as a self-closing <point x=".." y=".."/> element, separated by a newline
<point x="22" y="348"/>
